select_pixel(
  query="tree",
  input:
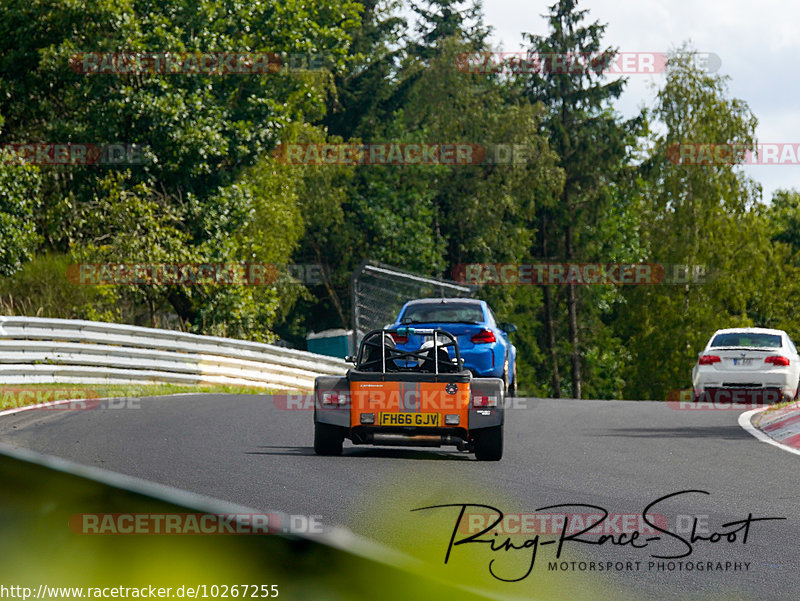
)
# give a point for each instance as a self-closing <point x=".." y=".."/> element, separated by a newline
<point x="365" y="91"/>
<point x="448" y="19"/>
<point x="592" y="144"/>
<point x="202" y="134"/>
<point x="485" y="212"/>
<point x="19" y="198"/>
<point x="784" y="217"/>
<point x="699" y="215"/>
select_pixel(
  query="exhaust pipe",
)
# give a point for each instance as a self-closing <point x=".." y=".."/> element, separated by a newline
<point x="418" y="440"/>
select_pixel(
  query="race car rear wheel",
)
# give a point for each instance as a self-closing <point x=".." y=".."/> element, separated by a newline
<point x="489" y="443"/>
<point x="328" y="439"/>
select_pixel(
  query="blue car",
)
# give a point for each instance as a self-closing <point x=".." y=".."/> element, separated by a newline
<point x="485" y="348"/>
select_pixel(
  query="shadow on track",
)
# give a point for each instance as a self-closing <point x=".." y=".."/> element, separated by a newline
<point x="725" y="432"/>
<point x="387" y="453"/>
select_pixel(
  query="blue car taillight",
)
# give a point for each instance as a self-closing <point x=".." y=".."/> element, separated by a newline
<point x="483" y="337"/>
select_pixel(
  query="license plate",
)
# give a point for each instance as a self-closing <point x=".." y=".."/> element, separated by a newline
<point x="409" y="419"/>
<point x="742" y="361"/>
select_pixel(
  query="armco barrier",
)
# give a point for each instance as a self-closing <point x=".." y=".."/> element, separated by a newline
<point x="37" y="350"/>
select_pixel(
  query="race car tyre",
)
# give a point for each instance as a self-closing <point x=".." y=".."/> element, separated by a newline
<point x="328" y="439"/>
<point x="489" y="444"/>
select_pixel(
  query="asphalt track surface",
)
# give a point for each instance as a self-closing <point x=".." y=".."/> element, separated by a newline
<point x="618" y="455"/>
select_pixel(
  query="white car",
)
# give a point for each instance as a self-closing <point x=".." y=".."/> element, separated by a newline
<point x="738" y="361"/>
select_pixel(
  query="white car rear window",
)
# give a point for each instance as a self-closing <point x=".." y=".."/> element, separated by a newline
<point x="747" y="339"/>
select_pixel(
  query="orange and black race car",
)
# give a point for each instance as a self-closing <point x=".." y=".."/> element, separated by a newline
<point x="421" y="398"/>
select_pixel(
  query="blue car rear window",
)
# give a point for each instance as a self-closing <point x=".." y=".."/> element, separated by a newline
<point x="443" y="313"/>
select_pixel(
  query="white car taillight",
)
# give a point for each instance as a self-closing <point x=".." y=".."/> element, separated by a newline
<point x="777" y="360"/>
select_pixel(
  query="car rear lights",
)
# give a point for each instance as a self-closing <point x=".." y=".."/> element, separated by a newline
<point x="484" y="401"/>
<point x="399" y="339"/>
<point x="451" y="420"/>
<point x="777" y="360"/>
<point x="367" y="418"/>
<point x="334" y="398"/>
<point x="483" y="337"/>
<point x="709" y="360"/>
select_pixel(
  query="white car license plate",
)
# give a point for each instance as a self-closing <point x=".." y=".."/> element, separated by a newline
<point x="742" y="361"/>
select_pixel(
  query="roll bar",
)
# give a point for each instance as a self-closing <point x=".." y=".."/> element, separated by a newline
<point x="376" y="338"/>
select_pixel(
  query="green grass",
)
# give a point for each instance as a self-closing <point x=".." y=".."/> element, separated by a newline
<point x="19" y="395"/>
<point x="777" y="406"/>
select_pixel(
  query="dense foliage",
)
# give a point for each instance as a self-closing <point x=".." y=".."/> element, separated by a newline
<point x="212" y="186"/>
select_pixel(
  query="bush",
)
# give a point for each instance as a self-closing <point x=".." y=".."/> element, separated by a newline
<point x="41" y="289"/>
